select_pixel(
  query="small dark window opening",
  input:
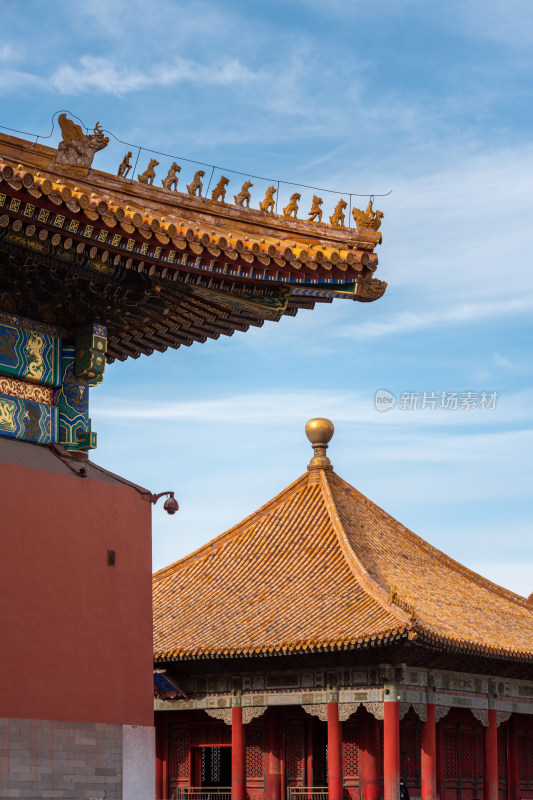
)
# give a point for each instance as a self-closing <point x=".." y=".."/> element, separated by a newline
<point x="110" y="558"/>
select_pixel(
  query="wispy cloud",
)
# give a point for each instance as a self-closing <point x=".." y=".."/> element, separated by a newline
<point x="289" y="408"/>
<point x="96" y="74"/>
<point x="464" y="314"/>
<point x="102" y="75"/>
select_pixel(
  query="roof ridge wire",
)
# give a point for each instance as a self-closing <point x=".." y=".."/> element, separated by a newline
<point x="192" y="161"/>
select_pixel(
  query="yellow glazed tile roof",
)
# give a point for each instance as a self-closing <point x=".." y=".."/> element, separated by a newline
<point x="322" y="567"/>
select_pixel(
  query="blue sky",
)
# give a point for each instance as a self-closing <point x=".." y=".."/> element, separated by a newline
<point x="432" y="100"/>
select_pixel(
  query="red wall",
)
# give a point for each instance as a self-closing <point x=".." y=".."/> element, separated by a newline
<point x="76" y="634"/>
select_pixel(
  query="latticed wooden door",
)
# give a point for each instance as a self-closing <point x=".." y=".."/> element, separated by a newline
<point x="525" y="757"/>
<point x="179" y="758"/>
<point x="295" y="752"/>
<point x="255" y="761"/>
<point x="463" y="760"/>
<point x="351" y="732"/>
<point x="410" y="749"/>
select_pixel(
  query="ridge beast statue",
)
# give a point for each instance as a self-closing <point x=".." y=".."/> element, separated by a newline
<point x="267" y="205"/>
<point x="337" y="218"/>
<point x="292" y="207"/>
<point x="124" y="166"/>
<point x="196" y="184"/>
<point x="171" y="181"/>
<point x="148" y="175"/>
<point x="76" y="151"/>
<point x="219" y="192"/>
<point x="316" y="211"/>
<point x="244" y="195"/>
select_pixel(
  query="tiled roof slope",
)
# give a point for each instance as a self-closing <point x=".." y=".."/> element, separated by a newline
<point x="322" y="567"/>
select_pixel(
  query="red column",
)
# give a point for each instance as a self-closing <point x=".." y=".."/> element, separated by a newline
<point x="513" y="773"/>
<point x="161" y="757"/>
<point x="158" y="757"/>
<point x="275" y="746"/>
<point x="238" y="773"/>
<point x="391" y="750"/>
<point x="335" y="773"/>
<point x="491" y="758"/>
<point x="428" y="759"/>
<point x="440" y="760"/>
<point x="309" y="752"/>
<point x="369" y="768"/>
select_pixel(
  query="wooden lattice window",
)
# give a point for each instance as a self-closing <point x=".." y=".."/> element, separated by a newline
<point x="450" y="753"/>
<point x="350" y="735"/>
<point x="463" y="744"/>
<point x="468" y="753"/>
<point x="410" y="748"/>
<point x="254" y="751"/>
<point x="179" y="753"/>
<point x="502" y="756"/>
<point x="525" y="757"/>
<point x="295" y="759"/>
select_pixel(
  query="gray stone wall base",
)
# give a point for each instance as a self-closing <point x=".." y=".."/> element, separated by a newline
<point x="76" y="760"/>
<point x="138" y="759"/>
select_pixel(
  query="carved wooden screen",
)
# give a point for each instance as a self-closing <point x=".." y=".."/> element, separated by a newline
<point x="255" y="761"/>
<point x="525" y="756"/>
<point x="410" y="749"/>
<point x="351" y="750"/>
<point x="463" y="759"/>
<point x="295" y="752"/>
<point x="179" y="757"/>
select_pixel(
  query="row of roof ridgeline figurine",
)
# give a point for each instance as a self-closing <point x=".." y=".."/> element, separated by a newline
<point x="368" y="219"/>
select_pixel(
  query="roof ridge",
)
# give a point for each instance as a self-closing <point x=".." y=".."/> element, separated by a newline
<point x="357" y="568"/>
<point x="292" y="488"/>
<point x="450" y="562"/>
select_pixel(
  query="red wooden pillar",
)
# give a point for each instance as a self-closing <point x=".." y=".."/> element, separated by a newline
<point x="238" y="771"/>
<point x="161" y="760"/>
<point x="513" y="773"/>
<point x="428" y="757"/>
<point x="335" y="773"/>
<point x="440" y="760"/>
<point x="158" y="758"/>
<point x="369" y="767"/>
<point x="309" y="752"/>
<point x="275" y="749"/>
<point x="391" y="750"/>
<point x="491" y="758"/>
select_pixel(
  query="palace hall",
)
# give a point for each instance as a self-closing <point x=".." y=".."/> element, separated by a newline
<point x="320" y="650"/>
<point x="97" y="267"/>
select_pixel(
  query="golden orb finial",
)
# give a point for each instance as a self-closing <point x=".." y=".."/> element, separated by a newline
<point x="319" y="432"/>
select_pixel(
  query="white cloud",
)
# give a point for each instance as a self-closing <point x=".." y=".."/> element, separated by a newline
<point x="95" y="74"/>
<point x="13" y="81"/>
<point x="289" y="408"/>
<point x="409" y="321"/>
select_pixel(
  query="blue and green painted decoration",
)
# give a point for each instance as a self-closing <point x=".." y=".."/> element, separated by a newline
<point x="68" y="361"/>
<point x="28" y="420"/>
<point x="31" y="355"/>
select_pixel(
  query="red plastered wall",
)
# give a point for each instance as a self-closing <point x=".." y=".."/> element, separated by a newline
<point x="76" y="634"/>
